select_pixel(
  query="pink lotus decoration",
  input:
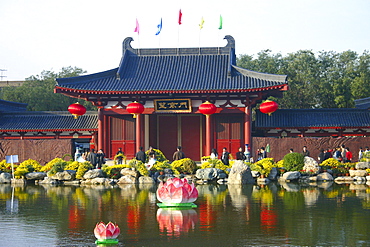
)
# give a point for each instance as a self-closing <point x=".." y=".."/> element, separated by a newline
<point x="177" y="190"/>
<point x="104" y="232"/>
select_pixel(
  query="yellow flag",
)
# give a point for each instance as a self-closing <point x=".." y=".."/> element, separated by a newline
<point x="201" y="23"/>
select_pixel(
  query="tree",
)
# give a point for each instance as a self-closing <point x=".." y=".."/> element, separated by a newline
<point x="38" y="92"/>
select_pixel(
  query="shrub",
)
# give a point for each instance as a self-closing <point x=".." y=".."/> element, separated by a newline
<point x="82" y="168"/>
<point x="215" y="163"/>
<point x="185" y="165"/>
<point x="7" y="167"/>
<point x="293" y="161"/>
<point x="160" y="166"/>
<point x="159" y="156"/>
<point x="50" y="164"/>
<point x="263" y="166"/>
<point x="57" y="167"/>
<point x="26" y="167"/>
<point x="114" y="171"/>
<point x="139" y="166"/>
<point x="117" y="156"/>
<point x="72" y="165"/>
<point x="330" y="163"/>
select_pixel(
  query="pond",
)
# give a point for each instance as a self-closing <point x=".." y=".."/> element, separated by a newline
<point x="277" y="214"/>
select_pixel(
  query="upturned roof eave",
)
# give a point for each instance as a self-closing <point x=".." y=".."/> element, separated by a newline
<point x="280" y="87"/>
<point x="47" y="130"/>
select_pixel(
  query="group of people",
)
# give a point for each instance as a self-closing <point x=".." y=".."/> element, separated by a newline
<point x="341" y="153"/>
<point x="96" y="158"/>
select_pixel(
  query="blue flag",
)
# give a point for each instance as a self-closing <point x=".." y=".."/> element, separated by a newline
<point x="159" y="28"/>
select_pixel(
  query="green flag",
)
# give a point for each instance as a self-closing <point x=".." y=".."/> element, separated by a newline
<point x="220" y="26"/>
<point x="268" y="148"/>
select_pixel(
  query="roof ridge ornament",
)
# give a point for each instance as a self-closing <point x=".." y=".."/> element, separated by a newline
<point x="230" y="41"/>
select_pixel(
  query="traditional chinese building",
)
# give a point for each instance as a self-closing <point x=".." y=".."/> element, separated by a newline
<point x="171" y="84"/>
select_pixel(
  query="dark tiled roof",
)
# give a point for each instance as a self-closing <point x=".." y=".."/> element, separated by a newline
<point x="363" y="103"/>
<point x="314" y="118"/>
<point x="175" y="70"/>
<point x="9" y="106"/>
<point x="47" y="121"/>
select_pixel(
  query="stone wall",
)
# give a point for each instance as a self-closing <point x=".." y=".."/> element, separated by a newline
<point x="41" y="150"/>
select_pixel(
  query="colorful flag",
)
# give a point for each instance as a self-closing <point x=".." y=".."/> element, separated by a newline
<point x="201" y="23"/>
<point x="220" y="26"/>
<point x="159" y="28"/>
<point x="180" y="17"/>
<point x="137" y="28"/>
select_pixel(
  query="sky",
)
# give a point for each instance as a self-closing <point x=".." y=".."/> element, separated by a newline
<point x="38" y="35"/>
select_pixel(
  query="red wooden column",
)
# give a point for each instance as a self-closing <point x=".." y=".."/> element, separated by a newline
<point x="208" y="135"/>
<point x="100" y="127"/>
<point x="247" y="128"/>
<point x="138" y="132"/>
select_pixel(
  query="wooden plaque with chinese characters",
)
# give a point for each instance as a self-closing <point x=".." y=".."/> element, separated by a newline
<point x="172" y="105"/>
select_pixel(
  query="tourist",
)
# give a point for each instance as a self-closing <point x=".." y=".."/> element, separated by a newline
<point x="262" y="154"/>
<point x="120" y="157"/>
<point x="327" y="154"/>
<point x="360" y="153"/>
<point x="305" y="152"/>
<point x="225" y="157"/>
<point x="291" y="150"/>
<point x="348" y="155"/>
<point x="214" y="154"/>
<point x="240" y="155"/>
<point x="140" y="155"/>
<point x="321" y="157"/>
<point x="337" y="154"/>
<point x="343" y="151"/>
<point x="101" y="158"/>
<point x="92" y="158"/>
<point x="178" y="155"/>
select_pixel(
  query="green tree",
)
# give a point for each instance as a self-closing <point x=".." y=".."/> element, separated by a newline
<point x="38" y="91"/>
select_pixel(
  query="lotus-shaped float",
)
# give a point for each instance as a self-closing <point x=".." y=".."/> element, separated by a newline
<point x="106" y="233"/>
<point x="177" y="192"/>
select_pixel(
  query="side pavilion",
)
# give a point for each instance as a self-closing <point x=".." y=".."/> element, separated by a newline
<point x="172" y="83"/>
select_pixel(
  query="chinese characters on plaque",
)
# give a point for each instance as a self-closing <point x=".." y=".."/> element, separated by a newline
<point x="172" y="105"/>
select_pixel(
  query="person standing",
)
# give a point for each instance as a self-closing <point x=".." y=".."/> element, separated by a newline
<point x="225" y="157"/>
<point x="140" y="155"/>
<point x="360" y="153"/>
<point x="305" y="152"/>
<point x="321" y="157"/>
<point x="262" y="154"/>
<point x="178" y="155"/>
<point x="119" y="158"/>
<point x="101" y="158"/>
<point x="214" y="154"/>
<point x="92" y="158"/>
<point x="240" y="155"/>
<point x="349" y="155"/>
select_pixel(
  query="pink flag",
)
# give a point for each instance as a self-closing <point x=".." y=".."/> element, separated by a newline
<point x="180" y="16"/>
<point x="137" y="28"/>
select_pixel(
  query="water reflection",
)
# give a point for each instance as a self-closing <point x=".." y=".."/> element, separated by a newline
<point x="322" y="213"/>
<point x="174" y="221"/>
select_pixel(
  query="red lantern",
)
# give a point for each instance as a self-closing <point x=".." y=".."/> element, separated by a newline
<point x="207" y="108"/>
<point x="269" y="107"/>
<point x="135" y="108"/>
<point x="77" y="110"/>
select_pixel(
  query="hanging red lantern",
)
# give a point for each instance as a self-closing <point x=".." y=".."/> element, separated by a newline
<point x="207" y="108"/>
<point x="77" y="110"/>
<point x="269" y="107"/>
<point x="135" y="108"/>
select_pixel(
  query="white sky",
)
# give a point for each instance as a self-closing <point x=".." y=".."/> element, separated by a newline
<point x="37" y="35"/>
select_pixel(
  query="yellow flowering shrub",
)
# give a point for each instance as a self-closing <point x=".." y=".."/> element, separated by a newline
<point x="331" y="162"/>
<point x="215" y="163"/>
<point x="114" y="171"/>
<point x="7" y="167"/>
<point x="50" y="164"/>
<point x="139" y="166"/>
<point x="184" y="165"/>
<point x="72" y="166"/>
<point x="119" y="156"/>
<point x="263" y="166"/>
<point x="83" y="168"/>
